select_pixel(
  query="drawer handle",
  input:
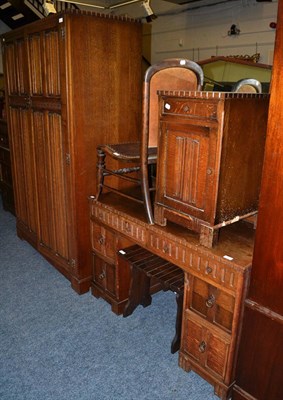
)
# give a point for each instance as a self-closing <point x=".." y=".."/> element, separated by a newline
<point x="208" y="270"/>
<point x="210" y="301"/>
<point x="166" y="248"/>
<point x="202" y="346"/>
<point x="101" y="276"/>
<point x="127" y="227"/>
<point x="101" y="240"/>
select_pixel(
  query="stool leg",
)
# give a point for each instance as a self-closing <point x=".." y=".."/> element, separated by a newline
<point x="146" y="297"/>
<point x="139" y="291"/>
<point x="175" y="344"/>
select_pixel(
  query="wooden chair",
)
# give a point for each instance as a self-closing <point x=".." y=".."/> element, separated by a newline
<point x="248" y="85"/>
<point x="171" y="74"/>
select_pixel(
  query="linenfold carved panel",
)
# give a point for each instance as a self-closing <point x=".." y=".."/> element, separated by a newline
<point x="36" y="75"/>
<point x="186" y="148"/>
<point x="16" y="59"/>
<point x="186" y="171"/>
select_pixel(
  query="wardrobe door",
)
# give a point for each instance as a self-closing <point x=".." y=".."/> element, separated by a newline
<point x="21" y="137"/>
<point x="49" y="142"/>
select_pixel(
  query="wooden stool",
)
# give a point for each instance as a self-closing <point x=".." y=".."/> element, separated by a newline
<point x="144" y="266"/>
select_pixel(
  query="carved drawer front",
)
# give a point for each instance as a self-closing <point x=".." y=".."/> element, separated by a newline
<point x="211" y="303"/>
<point x="214" y="270"/>
<point x="103" y="274"/>
<point x="167" y="248"/>
<point x="103" y="240"/>
<point x="133" y="230"/>
<point x="129" y="228"/>
<point x="190" y="108"/>
<point x="204" y="346"/>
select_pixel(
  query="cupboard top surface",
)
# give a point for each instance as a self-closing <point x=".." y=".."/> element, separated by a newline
<point x="211" y="95"/>
<point x="58" y="18"/>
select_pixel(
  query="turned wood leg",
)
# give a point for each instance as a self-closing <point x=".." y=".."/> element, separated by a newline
<point x="175" y="345"/>
<point x="139" y="291"/>
<point x="100" y="168"/>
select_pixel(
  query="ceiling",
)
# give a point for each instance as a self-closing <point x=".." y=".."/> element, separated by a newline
<point x="198" y="3"/>
<point x="16" y="13"/>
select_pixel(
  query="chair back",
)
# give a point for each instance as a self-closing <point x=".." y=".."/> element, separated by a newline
<point x="171" y="74"/>
<point x="248" y="85"/>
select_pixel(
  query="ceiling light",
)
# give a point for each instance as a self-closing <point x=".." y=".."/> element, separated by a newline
<point x="18" y="16"/>
<point x="5" y="5"/>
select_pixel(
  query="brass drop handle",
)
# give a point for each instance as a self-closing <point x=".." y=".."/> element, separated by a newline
<point x="101" y="276"/>
<point x="202" y="346"/>
<point x="166" y="248"/>
<point x="127" y="227"/>
<point x="208" y="270"/>
<point x="210" y="301"/>
<point x="101" y="240"/>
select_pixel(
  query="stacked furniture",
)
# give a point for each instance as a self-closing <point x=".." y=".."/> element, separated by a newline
<point x="216" y="281"/>
<point x="73" y="81"/>
<point x="171" y="74"/>
<point x="210" y="156"/>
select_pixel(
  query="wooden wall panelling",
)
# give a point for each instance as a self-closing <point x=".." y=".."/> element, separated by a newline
<point x="260" y="364"/>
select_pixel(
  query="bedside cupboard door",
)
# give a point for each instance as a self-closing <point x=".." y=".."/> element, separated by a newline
<point x="186" y="174"/>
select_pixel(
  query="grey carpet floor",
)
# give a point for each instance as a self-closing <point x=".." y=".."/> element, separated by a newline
<point x="57" y="345"/>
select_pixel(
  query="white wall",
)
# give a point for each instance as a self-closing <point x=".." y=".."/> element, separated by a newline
<point x="202" y="33"/>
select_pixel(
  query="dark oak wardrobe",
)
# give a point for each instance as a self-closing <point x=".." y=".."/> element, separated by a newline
<point x="73" y="80"/>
